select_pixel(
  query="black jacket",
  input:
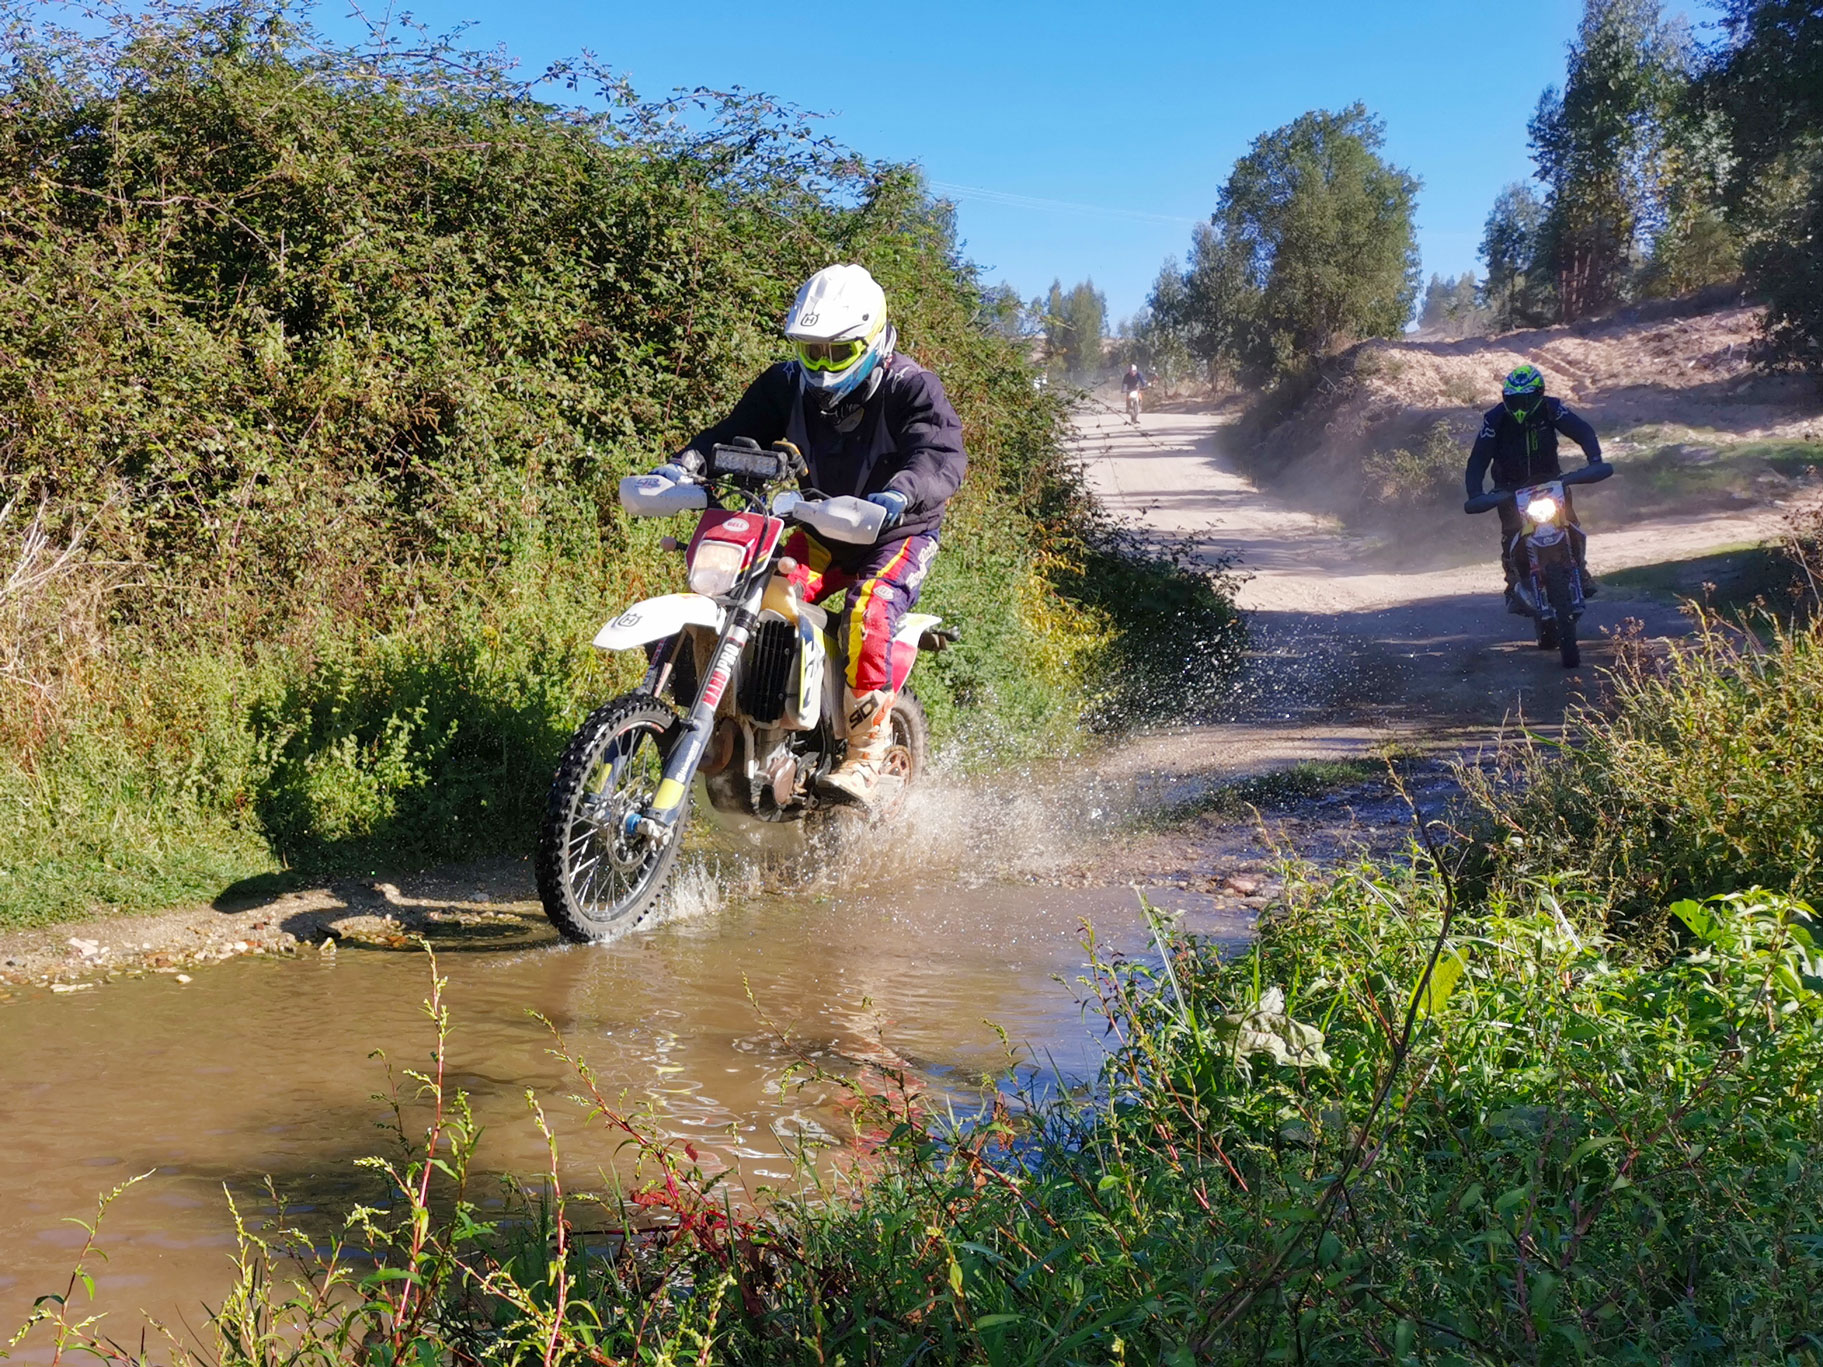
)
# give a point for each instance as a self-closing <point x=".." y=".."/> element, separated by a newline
<point x="904" y="437"/>
<point x="1526" y="455"/>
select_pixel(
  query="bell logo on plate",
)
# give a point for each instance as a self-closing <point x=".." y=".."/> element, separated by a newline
<point x="735" y="524"/>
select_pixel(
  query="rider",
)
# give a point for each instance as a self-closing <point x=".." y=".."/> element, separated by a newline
<point x="1132" y="380"/>
<point x="1518" y="439"/>
<point x="874" y="424"/>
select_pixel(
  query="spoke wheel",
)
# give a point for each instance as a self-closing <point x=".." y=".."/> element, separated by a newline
<point x="596" y="880"/>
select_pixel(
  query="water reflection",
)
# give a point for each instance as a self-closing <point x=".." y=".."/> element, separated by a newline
<point x="263" y="1066"/>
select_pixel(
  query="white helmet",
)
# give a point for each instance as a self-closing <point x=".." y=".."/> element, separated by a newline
<point x="839" y="331"/>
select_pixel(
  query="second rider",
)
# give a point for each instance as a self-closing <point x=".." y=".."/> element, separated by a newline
<point x="871" y="424"/>
<point x="1518" y="443"/>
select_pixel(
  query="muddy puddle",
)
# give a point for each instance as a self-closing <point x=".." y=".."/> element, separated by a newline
<point x="963" y="922"/>
<point x="261" y="1066"/>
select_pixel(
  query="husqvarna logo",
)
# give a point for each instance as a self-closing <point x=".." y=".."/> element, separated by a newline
<point x="627" y="619"/>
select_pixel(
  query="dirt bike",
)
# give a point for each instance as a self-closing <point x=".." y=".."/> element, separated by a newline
<point x="755" y="692"/>
<point x="1549" y="588"/>
<point x="1133" y="405"/>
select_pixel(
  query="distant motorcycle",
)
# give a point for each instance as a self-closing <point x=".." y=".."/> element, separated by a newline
<point x="1549" y="588"/>
<point x="1133" y="405"/>
<point x="756" y="684"/>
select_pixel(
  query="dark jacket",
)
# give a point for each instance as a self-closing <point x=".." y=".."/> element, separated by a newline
<point x="904" y="437"/>
<point x="1522" y="455"/>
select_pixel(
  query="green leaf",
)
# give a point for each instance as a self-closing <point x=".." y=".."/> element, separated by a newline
<point x="1700" y="920"/>
<point x="1589" y="1146"/>
<point x="1267" y="1029"/>
<point x="1443" y="979"/>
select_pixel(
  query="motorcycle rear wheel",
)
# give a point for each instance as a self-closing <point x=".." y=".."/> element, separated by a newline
<point x="1563" y="607"/>
<point x="597" y="882"/>
<point x="911" y="739"/>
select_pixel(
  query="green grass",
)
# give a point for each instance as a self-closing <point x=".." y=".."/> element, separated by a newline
<point x="1300" y="782"/>
<point x="1726" y="579"/>
<point x="1701" y="771"/>
<point x="1670" y="469"/>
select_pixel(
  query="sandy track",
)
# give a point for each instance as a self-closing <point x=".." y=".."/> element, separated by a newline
<point x="1357" y="643"/>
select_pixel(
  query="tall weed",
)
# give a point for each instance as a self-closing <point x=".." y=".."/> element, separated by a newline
<point x="1701" y="771"/>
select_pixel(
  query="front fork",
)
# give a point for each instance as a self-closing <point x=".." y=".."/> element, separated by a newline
<point x="659" y="820"/>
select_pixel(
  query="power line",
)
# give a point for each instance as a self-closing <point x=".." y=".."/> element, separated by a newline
<point x="1055" y="206"/>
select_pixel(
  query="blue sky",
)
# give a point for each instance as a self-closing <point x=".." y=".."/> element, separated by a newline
<point x="1134" y="113"/>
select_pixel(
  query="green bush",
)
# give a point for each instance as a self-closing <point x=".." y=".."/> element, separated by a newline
<point x="324" y="361"/>
<point x="1423" y="474"/>
<point x="1703" y="771"/>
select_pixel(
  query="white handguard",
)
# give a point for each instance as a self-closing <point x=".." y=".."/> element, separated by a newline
<point x="656" y="496"/>
<point x="852" y="520"/>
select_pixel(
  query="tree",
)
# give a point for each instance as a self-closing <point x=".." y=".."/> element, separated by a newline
<point x="1074" y="322"/>
<point x="1319" y="227"/>
<point x="1695" y="245"/>
<point x="1221" y="303"/>
<point x="1161" y="330"/>
<point x="1599" y="147"/>
<point x="1767" y="80"/>
<point x="1518" y="285"/>
<point x="1005" y="314"/>
<point x="1452" y="305"/>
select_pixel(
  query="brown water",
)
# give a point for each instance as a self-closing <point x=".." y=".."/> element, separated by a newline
<point x="261" y="1066"/>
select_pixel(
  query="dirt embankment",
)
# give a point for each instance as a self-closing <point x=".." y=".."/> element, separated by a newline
<point x="1673" y="392"/>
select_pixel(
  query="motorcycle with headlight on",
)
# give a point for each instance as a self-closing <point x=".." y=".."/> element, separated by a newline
<point x="1550" y="584"/>
<point x="741" y="698"/>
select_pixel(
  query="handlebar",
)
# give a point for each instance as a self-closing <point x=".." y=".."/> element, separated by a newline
<point x="1592" y="473"/>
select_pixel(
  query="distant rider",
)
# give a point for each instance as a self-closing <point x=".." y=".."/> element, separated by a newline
<point x="1133" y="384"/>
<point x="1518" y="440"/>
<point x="872" y="424"/>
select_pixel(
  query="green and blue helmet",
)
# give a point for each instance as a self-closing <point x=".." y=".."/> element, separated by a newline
<point x="1523" y="390"/>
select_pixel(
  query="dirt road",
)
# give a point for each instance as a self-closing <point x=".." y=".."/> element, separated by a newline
<point x="1357" y="643"/>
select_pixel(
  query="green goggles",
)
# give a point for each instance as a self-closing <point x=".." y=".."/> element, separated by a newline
<point x="830" y="355"/>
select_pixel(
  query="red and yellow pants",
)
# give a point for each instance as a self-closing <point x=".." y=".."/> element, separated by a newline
<point x="880" y="590"/>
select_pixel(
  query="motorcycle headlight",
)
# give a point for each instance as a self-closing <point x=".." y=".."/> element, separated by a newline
<point x="1541" y="509"/>
<point x="715" y="567"/>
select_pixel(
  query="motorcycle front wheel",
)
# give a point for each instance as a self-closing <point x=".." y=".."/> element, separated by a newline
<point x="594" y="879"/>
<point x="1563" y="607"/>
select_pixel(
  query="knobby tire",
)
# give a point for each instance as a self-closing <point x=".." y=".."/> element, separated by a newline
<point x="1563" y="607"/>
<point x="576" y="854"/>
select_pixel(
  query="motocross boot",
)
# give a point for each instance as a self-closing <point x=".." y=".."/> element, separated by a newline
<point x="1580" y="544"/>
<point x="870" y="738"/>
<point x="1514" y="604"/>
